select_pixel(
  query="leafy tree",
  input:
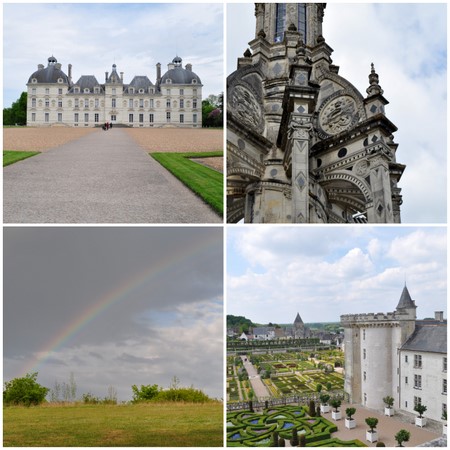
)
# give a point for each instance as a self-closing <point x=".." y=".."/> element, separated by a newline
<point x="212" y="111"/>
<point x="335" y="403"/>
<point x="24" y="391"/>
<point x="420" y="409"/>
<point x="144" y="393"/>
<point x="350" y="412"/>
<point x="389" y="401"/>
<point x="372" y="423"/>
<point x="318" y="388"/>
<point x="324" y="398"/>
<point x="17" y="113"/>
<point x="402" y="436"/>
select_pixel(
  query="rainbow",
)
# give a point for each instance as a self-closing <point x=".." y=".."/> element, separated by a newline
<point x="120" y="293"/>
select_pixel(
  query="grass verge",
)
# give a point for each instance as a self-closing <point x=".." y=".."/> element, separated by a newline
<point x="140" y="425"/>
<point x="10" y="156"/>
<point x="203" y="181"/>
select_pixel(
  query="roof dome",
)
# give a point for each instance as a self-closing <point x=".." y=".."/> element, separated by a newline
<point x="177" y="75"/>
<point x="50" y="74"/>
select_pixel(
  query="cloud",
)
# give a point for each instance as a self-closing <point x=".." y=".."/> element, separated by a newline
<point x="92" y="37"/>
<point x="364" y="270"/>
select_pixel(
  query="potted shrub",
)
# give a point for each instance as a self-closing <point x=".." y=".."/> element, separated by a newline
<point x="420" y="421"/>
<point x="444" y="425"/>
<point x="324" y="406"/>
<point x="349" y="421"/>
<point x="372" y="434"/>
<point x="389" y="403"/>
<point x="402" y="436"/>
<point x="336" y="414"/>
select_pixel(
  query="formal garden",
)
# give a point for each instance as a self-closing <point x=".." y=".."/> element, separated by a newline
<point x="275" y="425"/>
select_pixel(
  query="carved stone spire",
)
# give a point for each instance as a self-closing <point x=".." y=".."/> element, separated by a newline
<point x="374" y="88"/>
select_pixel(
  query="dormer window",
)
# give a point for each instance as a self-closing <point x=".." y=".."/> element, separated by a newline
<point x="34" y="80"/>
<point x="76" y="90"/>
<point x="194" y="81"/>
<point x="152" y="91"/>
<point x="86" y="90"/>
<point x="96" y="90"/>
<point x="60" y="80"/>
<point x="168" y="81"/>
<point x="141" y="91"/>
<point x="131" y="90"/>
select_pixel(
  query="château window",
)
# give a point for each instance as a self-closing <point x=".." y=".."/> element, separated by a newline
<point x="302" y="20"/>
<point x="168" y="103"/>
<point x="130" y="103"/>
<point x="141" y="118"/>
<point x="444" y="386"/>
<point x="364" y="376"/>
<point x="151" y="118"/>
<point x="141" y="91"/>
<point x="131" y="90"/>
<point x="59" y="103"/>
<point x="47" y="102"/>
<point x="96" y="117"/>
<point x="96" y="102"/>
<point x="194" y="118"/>
<point x="444" y="364"/>
<point x="130" y="118"/>
<point x="113" y="102"/>
<point x="364" y="335"/>
<point x="151" y="103"/>
<point x="194" y="103"/>
<point x="47" y="91"/>
<point x="406" y="380"/>
<point x="181" y="103"/>
<point x="33" y="103"/>
<point x="86" y="90"/>
<point x="47" y="117"/>
<point x="141" y="103"/>
<point x="406" y="358"/>
<point x="417" y="381"/>
<point x="33" y="91"/>
<point x="33" y="117"/>
<point x="417" y="400"/>
<point x="364" y="353"/>
<point x="417" y="361"/>
<point x="75" y="118"/>
<point x="76" y="90"/>
<point x="168" y="117"/>
<point x="86" y="103"/>
<point x="59" y="117"/>
<point x="86" y="117"/>
<point x="113" y="118"/>
<point x="181" y="118"/>
<point x="181" y="91"/>
<point x="113" y="91"/>
<point x="60" y="91"/>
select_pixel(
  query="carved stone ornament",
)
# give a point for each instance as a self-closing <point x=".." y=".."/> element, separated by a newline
<point x="362" y="168"/>
<point x="246" y="107"/>
<point x="338" y="114"/>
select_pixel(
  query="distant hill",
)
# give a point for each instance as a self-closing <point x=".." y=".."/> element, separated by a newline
<point x="240" y="322"/>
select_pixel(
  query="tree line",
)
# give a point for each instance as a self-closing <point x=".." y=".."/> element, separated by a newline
<point x="26" y="391"/>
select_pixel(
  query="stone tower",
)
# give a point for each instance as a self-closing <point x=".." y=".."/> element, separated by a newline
<point x="303" y="145"/>
<point x="372" y="343"/>
<point x="299" y="328"/>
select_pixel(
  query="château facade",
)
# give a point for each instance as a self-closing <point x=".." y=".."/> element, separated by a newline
<point x="303" y="144"/>
<point x="174" y="100"/>
<point x="396" y="355"/>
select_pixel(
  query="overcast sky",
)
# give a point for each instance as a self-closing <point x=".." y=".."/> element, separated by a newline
<point x="92" y="37"/>
<point x="408" y="45"/>
<point x="161" y="315"/>
<point x="324" y="272"/>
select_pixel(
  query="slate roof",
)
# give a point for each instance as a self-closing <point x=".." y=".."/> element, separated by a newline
<point x="140" y="82"/>
<point x="428" y="337"/>
<point x="405" y="300"/>
<point x="50" y="74"/>
<point x="298" y="319"/>
<point x="86" y="82"/>
<point x="178" y="75"/>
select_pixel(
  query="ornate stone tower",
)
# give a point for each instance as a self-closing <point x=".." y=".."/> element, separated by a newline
<point x="303" y="145"/>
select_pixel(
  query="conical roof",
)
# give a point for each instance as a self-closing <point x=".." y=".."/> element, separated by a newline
<point x="405" y="300"/>
<point x="298" y="319"/>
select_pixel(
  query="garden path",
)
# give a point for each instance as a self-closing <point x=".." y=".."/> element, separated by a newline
<point x="102" y="177"/>
<point x="258" y="386"/>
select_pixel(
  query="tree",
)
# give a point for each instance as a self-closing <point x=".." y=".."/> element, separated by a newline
<point x="350" y="412"/>
<point x="324" y="398"/>
<point x="318" y="388"/>
<point x="17" y="113"/>
<point x="389" y="401"/>
<point x="372" y="423"/>
<point x="420" y="409"/>
<point x="144" y="393"/>
<point x="212" y="111"/>
<point x="335" y="403"/>
<point x="402" y="436"/>
<point x="24" y="391"/>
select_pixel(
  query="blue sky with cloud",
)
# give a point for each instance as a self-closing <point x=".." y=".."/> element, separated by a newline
<point x="324" y="272"/>
<point x="407" y="42"/>
<point x="92" y="37"/>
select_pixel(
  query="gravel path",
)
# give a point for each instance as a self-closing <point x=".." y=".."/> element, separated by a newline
<point x="258" y="386"/>
<point x="102" y="177"/>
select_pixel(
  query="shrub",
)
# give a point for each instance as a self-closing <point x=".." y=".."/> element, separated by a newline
<point x="274" y="441"/>
<point x="402" y="436"/>
<point x="294" y="440"/>
<point x="312" y="408"/>
<point x="372" y="422"/>
<point x="380" y="444"/>
<point x="420" y="409"/>
<point x="389" y="401"/>
<point x="335" y="403"/>
<point x="144" y="393"/>
<point x="318" y="387"/>
<point x="24" y="391"/>
<point x="324" y="398"/>
<point x="188" y="395"/>
<point x="350" y="412"/>
<point x="302" y="441"/>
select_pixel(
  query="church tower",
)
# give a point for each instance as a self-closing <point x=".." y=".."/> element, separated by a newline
<point x="303" y="144"/>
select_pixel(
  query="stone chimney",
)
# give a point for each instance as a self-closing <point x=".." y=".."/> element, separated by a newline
<point x="170" y="66"/>
<point x="158" y="71"/>
<point x="58" y="66"/>
<point x="106" y="77"/>
<point x="69" y="72"/>
<point x="189" y="67"/>
<point x="121" y="76"/>
<point x="40" y="66"/>
<point x="439" y="316"/>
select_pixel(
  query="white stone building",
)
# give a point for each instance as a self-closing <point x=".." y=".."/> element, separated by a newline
<point x="393" y="354"/>
<point x="174" y="100"/>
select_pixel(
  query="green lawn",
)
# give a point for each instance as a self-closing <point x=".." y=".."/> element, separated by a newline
<point x="10" y="157"/>
<point x="205" y="182"/>
<point x="139" y="425"/>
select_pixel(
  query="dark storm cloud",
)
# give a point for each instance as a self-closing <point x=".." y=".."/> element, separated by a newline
<point x="52" y="276"/>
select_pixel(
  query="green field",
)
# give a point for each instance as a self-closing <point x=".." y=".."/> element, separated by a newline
<point x="203" y="181"/>
<point x="139" y="425"/>
<point x="10" y="156"/>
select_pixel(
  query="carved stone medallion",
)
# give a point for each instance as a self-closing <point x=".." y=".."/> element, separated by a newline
<point x="246" y="107"/>
<point x="338" y="114"/>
